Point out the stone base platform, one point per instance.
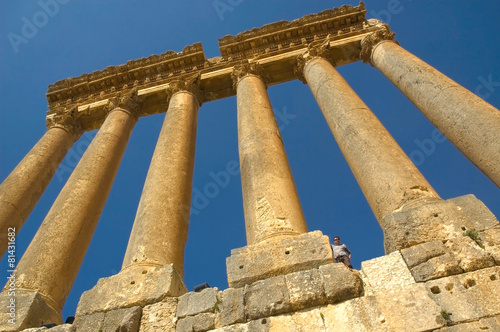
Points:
(277, 256)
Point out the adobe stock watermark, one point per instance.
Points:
(486, 87)
(394, 7)
(426, 147)
(31, 27)
(201, 198)
(223, 6)
(74, 155)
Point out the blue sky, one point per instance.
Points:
(459, 38)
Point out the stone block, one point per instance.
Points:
(478, 214)
(122, 320)
(231, 309)
(310, 320)
(491, 241)
(361, 315)
(386, 273)
(29, 309)
(340, 283)
(204, 322)
(184, 324)
(469, 296)
(35, 329)
(411, 309)
(277, 256)
(266, 298)
(89, 323)
(427, 222)
(159, 316)
(469, 255)
(194, 303)
(63, 328)
(305, 289)
(421, 253)
(134, 286)
(437, 267)
(234, 328)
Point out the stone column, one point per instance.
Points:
(21, 190)
(388, 178)
(51, 263)
(469, 122)
(270, 200)
(160, 228)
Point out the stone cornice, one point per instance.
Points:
(369, 42)
(280, 36)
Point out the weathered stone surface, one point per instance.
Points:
(185, 324)
(267, 298)
(35, 329)
(430, 260)
(437, 267)
(427, 222)
(122, 320)
(491, 239)
(194, 303)
(300, 321)
(486, 324)
(277, 256)
(234, 328)
(386, 273)
(469, 255)
(469, 296)
(231, 308)
(89, 323)
(30, 311)
(421, 253)
(135, 286)
(305, 289)
(340, 282)
(199, 323)
(159, 316)
(410, 309)
(478, 214)
(361, 315)
(63, 328)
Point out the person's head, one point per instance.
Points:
(336, 239)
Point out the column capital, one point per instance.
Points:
(67, 119)
(189, 84)
(247, 68)
(129, 102)
(369, 42)
(317, 49)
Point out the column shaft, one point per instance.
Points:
(270, 200)
(386, 175)
(160, 228)
(469, 122)
(24, 186)
(52, 260)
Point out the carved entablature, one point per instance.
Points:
(283, 36)
(145, 72)
(315, 49)
(68, 119)
(369, 42)
(247, 68)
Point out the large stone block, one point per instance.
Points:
(385, 274)
(469, 254)
(478, 214)
(199, 323)
(266, 298)
(411, 309)
(491, 240)
(277, 256)
(305, 289)
(340, 283)
(490, 324)
(425, 222)
(135, 286)
(469, 296)
(159, 316)
(25, 309)
(123, 320)
(310, 320)
(361, 315)
(194, 303)
(232, 308)
(89, 323)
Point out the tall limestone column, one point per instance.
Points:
(47, 270)
(387, 177)
(160, 228)
(21, 190)
(468, 121)
(270, 200)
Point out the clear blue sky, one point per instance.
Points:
(460, 38)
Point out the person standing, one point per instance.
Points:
(341, 253)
